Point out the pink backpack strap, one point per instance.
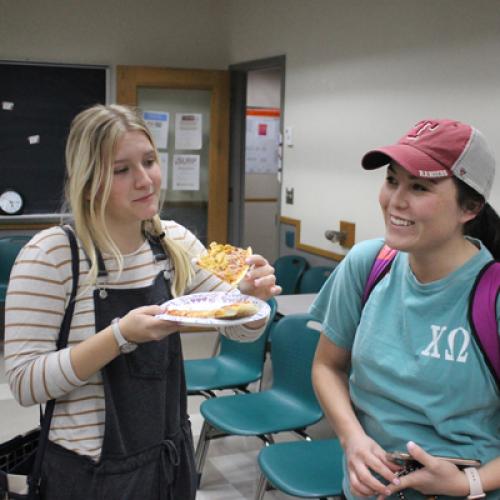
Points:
(483, 318)
(482, 305)
(380, 268)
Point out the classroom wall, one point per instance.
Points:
(359, 73)
(173, 33)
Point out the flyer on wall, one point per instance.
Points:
(262, 141)
(188, 131)
(157, 122)
(186, 173)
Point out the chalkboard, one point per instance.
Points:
(37, 104)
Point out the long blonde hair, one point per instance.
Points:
(90, 149)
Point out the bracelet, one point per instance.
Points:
(476, 488)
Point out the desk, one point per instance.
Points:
(294, 304)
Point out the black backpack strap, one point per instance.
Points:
(156, 247)
(483, 317)
(34, 477)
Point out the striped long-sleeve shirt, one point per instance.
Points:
(38, 293)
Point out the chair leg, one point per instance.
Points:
(266, 376)
(261, 487)
(267, 439)
(202, 447)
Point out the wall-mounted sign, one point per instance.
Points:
(262, 140)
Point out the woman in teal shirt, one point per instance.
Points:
(403, 373)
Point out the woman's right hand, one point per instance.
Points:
(365, 457)
(140, 325)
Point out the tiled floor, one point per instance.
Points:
(231, 470)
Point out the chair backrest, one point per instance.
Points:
(288, 270)
(10, 246)
(313, 278)
(250, 353)
(292, 353)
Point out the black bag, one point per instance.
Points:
(17, 457)
(21, 457)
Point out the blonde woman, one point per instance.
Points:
(120, 428)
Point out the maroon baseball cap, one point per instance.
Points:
(440, 148)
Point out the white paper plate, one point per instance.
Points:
(213, 300)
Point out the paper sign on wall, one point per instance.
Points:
(188, 131)
(157, 122)
(186, 173)
(262, 154)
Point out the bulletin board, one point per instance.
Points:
(37, 105)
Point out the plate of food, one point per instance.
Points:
(215, 309)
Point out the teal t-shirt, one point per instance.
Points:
(417, 372)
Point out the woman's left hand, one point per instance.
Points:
(260, 280)
(436, 477)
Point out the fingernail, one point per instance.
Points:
(387, 493)
(396, 481)
(410, 444)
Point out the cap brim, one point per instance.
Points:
(411, 159)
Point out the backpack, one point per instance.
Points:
(482, 305)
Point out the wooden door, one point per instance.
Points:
(132, 80)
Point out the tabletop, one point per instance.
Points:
(295, 304)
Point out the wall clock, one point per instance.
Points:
(11, 202)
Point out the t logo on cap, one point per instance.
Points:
(421, 127)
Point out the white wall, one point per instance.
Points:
(173, 33)
(359, 73)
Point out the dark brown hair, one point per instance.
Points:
(486, 225)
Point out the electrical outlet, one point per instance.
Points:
(289, 196)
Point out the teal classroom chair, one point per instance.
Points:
(290, 405)
(288, 270)
(304, 469)
(237, 365)
(313, 279)
(10, 246)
